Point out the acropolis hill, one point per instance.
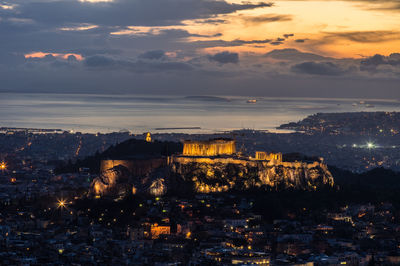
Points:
(209, 166)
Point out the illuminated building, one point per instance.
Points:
(261, 155)
(148, 137)
(157, 230)
(209, 148)
(215, 160)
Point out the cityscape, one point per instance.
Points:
(111, 198)
(199, 132)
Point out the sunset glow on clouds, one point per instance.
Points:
(278, 42)
(43, 55)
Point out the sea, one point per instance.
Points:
(92, 113)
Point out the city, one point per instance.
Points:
(199, 132)
(48, 213)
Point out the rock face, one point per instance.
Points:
(207, 174)
(119, 181)
(115, 181)
(221, 176)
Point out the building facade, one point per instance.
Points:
(209, 148)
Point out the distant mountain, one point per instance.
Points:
(295, 55)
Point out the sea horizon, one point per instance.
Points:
(138, 113)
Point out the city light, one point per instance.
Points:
(61, 204)
(3, 166)
(370, 145)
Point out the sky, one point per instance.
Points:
(202, 47)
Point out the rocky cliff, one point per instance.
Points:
(119, 181)
(219, 175)
(207, 174)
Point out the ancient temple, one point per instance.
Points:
(265, 156)
(215, 147)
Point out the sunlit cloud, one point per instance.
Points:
(58, 55)
(7, 6)
(143, 31)
(82, 27)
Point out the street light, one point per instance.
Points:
(61, 204)
(3, 166)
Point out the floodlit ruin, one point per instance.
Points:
(211, 166)
(214, 147)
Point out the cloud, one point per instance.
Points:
(211, 21)
(99, 61)
(59, 55)
(153, 55)
(72, 48)
(138, 66)
(225, 57)
(128, 12)
(295, 55)
(320, 69)
(266, 18)
(373, 62)
(380, 5)
(223, 43)
(363, 36)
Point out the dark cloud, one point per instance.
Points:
(130, 62)
(320, 69)
(99, 61)
(394, 56)
(363, 36)
(72, 58)
(266, 18)
(206, 36)
(212, 21)
(139, 66)
(225, 57)
(153, 55)
(371, 63)
(222, 43)
(295, 55)
(127, 12)
(96, 51)
(380, 5)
